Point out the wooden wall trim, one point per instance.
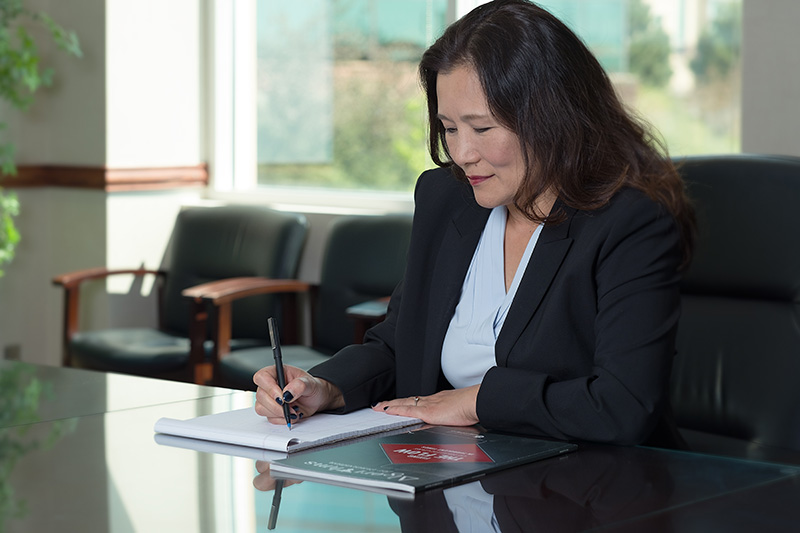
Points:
(108, 179)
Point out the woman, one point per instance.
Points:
(541, 289)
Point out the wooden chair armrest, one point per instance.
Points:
(71, 281)
(221, 294)
(228, 290)
(76, 277)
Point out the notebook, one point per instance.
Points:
(244, 427)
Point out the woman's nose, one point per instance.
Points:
(463, 152)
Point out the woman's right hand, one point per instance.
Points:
(264, 480)
(304, 393)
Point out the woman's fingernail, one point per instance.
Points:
(296, 408)
(287, 396)
(385, 408)
(292, 416)
(374, 404)
(299, 415)
(279, 401)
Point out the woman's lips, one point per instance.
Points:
(476, 180)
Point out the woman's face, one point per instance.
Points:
(487, 152)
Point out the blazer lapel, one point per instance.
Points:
(450, 269)
(551, 248)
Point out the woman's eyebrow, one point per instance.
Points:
(466, 118)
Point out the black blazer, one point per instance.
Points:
(585, 352)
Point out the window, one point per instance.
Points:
(677, 63)
(325, 102)
(339, 103)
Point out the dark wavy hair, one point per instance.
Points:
(543, 84)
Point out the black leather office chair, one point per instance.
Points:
(208, 243)
(734, 386)
(364, 259)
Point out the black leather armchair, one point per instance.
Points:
(208, 243)
(734, 386)
(364, 260)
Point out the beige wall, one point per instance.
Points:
(771, 77)
(153, 85)
(66, 124)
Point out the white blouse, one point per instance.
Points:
(468, 350)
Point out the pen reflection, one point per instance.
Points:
(264, 482)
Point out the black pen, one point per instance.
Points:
(276, 353)
(276, 503)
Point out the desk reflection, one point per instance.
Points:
(585, 489)
(581, 490)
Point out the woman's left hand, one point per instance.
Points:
(455, 407)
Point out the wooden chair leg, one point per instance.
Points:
(290, 329)
(71, 308)
(202, 369)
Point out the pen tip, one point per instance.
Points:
(290, 426)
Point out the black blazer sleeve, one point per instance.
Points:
(586, 349)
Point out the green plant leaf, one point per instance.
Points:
(7, 166)
(66, 40)
(9, 236)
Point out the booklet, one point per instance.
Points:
(245, 427)
(434, 456)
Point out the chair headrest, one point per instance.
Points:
(749, 231)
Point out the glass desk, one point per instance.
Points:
(80, 455)
(58, 392)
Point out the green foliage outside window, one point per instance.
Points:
(363, 124)
(21, 75)
(379, 136)
(649, 46)
(716, 66)
(719, 47)
(379, 132)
